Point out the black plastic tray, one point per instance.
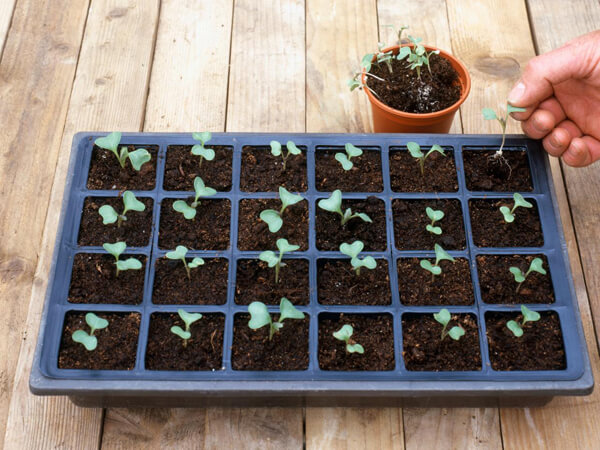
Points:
(312, 386)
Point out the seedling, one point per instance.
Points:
(527, 316)
(259, 316)
(508, 212)
(443, 317)
(291, 150)
(434, 215)
(179, 253)
(188, 320)
(419, 56)
(345, 334)
(520, 277)
(111, 142)
(415, 152)
(334, 204)
(273, 261)
(344, 158)
(189, 211)
(89, 341)
(274, 218)
(440, 255)
(490, 114)
(200, 150)
(130, 203)
(116, 250)
(352, 250)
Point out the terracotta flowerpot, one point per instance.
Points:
(390, 120)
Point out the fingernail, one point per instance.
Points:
(516, 94)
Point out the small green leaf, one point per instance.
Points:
(353, 151)
(139, 157)
(259, 315)
(178, 253)
(414, 149)
(435, 148)
(131, 203)
(364, 217)
(89, 342)
(367, 61)
(434, 214)
(456, 333)
(288, 311)
(425, 264)
(434, 230)
(441, 254)
(368, 262)
(292, 148)
(489, 114)
(285, 247)
(115, 249)
(273, 219)
(287, 198)
(344, 161)
(333, 203)
(352, 250)
(95, 322)
(403, 53)
(515, 328)
(275, 148)
(508, 216)
(196, 262)
(520, 201)
(206, 153)
(109, 142)
(442, 317)
(511, 109)
(519, 277)
(537, 266)
(344, 333)
(201, 189)
(203, 137)
(355, 348)
(353, 83)
(108, 213)
(529, 315)
(129, 264)
(188, 318)
(185, 335)
(269, 257)
(183, 208)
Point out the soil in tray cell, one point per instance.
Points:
(263, 172)
(202, 351)
(331, 234)
(255, 281)
(182, 167)
(135, 231)
(490, 229)
(209, 230)
(439, 174)
(374, 332)
(207, 284)
(338, 283)
(116, 344)
(254, 234)
(252, 349)
(418, 287)
(498, 284)
(410, 220)
(94, 280)
(364, 176)
(106, 172)
(426, 351)
(539, 348)
(483, 172)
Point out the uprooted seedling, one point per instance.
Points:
(200, 150)
(490, 114)
(137, 158)
(344, 334)
(276, 261)
(520, 277)
(440, 255)
(89, 341)
(508, 213)
(259, 316)
(116, 250)
(188, 320)
(443, 317)
(527, 315)
(353, 250)
(276, 150)
(273, 218)
(415, 152)
(334, 204)
(434, 215)
(345, 158)
(189, 211)
(179, 253)
(130, 203)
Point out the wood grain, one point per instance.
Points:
(6, 12)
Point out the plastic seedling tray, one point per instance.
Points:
(312, 386)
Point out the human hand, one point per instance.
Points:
(561, 93)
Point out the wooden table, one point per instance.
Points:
(250, 65)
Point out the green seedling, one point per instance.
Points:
(188, 320)
(291, 150)
(435, 216)
(490, 114)
(419, 56)
(259, 316)
(443, 317)
(130, 203)
(200, 150)
(89, 341)
(334, 204)
(345, 334)
(189, 211)
(274, 218)
(116, 250)
(179, 253)
(344, 158)
(508, 212)
(352, 250)
(440, 255)
(520, 277)
(415, 152)
(111, 142)
(528, 316)
(273, 260)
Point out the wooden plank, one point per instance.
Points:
(109, 92)
(6, 13)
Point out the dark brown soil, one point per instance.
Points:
(252, 350)
(338, 283)
(424, 350)
(490, 230)
(540, 348)
(498, 284)
(254, 234)
(135, 231)
(203, 351)
(403, 90)
(116, 348)
(256, 282)
(207, 284)
(439, 174)
(484, 173)
(106, 172)
(374, 332)
(263, 172)
(331, 234)
(452, 287)
(410, 220)
(209, 230)
(94, 280)
(182, 167)
(365, 176)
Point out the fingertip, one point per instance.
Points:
(557, 142)
(577, 154)
(539, 124)
(517, 94)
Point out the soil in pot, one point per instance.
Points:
(207, 284)
(483, 172)
(117, 343)
(182, 167)
(94, 280)
(439, 173)
(263, 172)
(252, 349)
(106, 172)
(365, 175)
(203, 351)
(540, 348)
(424, 350)
(254, 234)
(374, 332)
(498, 284)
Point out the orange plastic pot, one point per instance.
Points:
(390, 120)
